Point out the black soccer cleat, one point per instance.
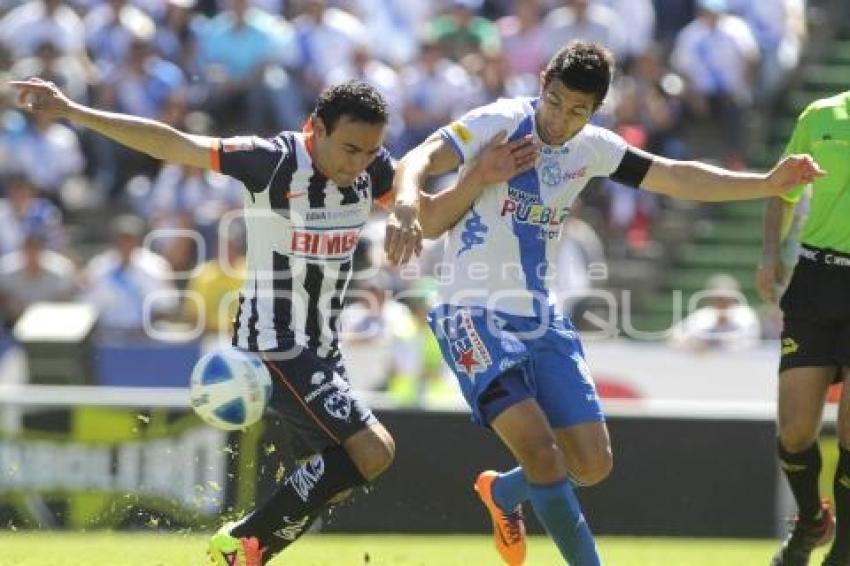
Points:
(804, 538)
(832, 559)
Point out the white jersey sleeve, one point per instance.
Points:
(607, 149)
(471, 132)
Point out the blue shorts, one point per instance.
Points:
(488, 350)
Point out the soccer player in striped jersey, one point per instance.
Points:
(520, 366)
(307, 196)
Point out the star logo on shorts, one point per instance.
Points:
(469, 363)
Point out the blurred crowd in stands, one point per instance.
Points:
(76, 208)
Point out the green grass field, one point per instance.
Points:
(107, 549)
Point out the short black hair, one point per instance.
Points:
(582, 66)
(355, 99)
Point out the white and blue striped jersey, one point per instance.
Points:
(302, 231)
(501, 252)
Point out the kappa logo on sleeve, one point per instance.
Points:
(241, 143)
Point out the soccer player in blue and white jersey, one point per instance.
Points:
(307, 196)
(521, 368)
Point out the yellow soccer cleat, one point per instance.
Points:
(227, 550)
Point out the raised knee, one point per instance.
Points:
(796, 438)
(593, 470)
(543, 461)
(373, 452)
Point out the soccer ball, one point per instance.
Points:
(229, 388)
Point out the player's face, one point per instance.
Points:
(563, 112)
(346, 152)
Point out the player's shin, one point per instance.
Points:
(558, 509)
(802, 470)
(300, 498)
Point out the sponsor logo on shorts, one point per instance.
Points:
(469, 353)
(338, 405)
(291, 529)
(789, 346)
(304, 479)
(318, 380)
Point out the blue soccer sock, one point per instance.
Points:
(510, 489)
(558, 509)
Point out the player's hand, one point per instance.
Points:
(41, 97)
(404, 234)
(792, 171)
(770, 275)
(500, 161)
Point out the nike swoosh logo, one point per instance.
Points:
(295, 195)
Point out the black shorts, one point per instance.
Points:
(816, 309)
(312, 397)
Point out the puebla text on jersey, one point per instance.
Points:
(302, 231)
(512, 229)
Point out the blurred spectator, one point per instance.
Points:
(326, 38)
(779, 27)
(184, 197)
(176, 37)
(727, 323)
(47, 153)
(718, 54)
(142, 84)
(363, 67)
(638, 23)
(670, 17)
(245, 53)
(429, 382)
(581, 259)
(111, 26)
(48, 63)
(22, 212)
(126, 279)
(377, 334)
(392, 26)
(437, 90)
(461, 32)
(588, 20)
(217, 284)
(33, 274)
(661, 102)
(32, 23)
(525, 41)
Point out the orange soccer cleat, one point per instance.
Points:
(508, 528)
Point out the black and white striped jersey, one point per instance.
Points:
(302, 231)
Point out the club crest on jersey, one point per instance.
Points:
(473, 234)
(551, 173)
(469, 353)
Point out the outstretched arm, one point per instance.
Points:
(148, 136)
(692, 180)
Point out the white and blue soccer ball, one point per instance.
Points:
(230, 388)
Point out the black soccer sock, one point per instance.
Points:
(803, 470)
(841, 487)
(300, 498)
